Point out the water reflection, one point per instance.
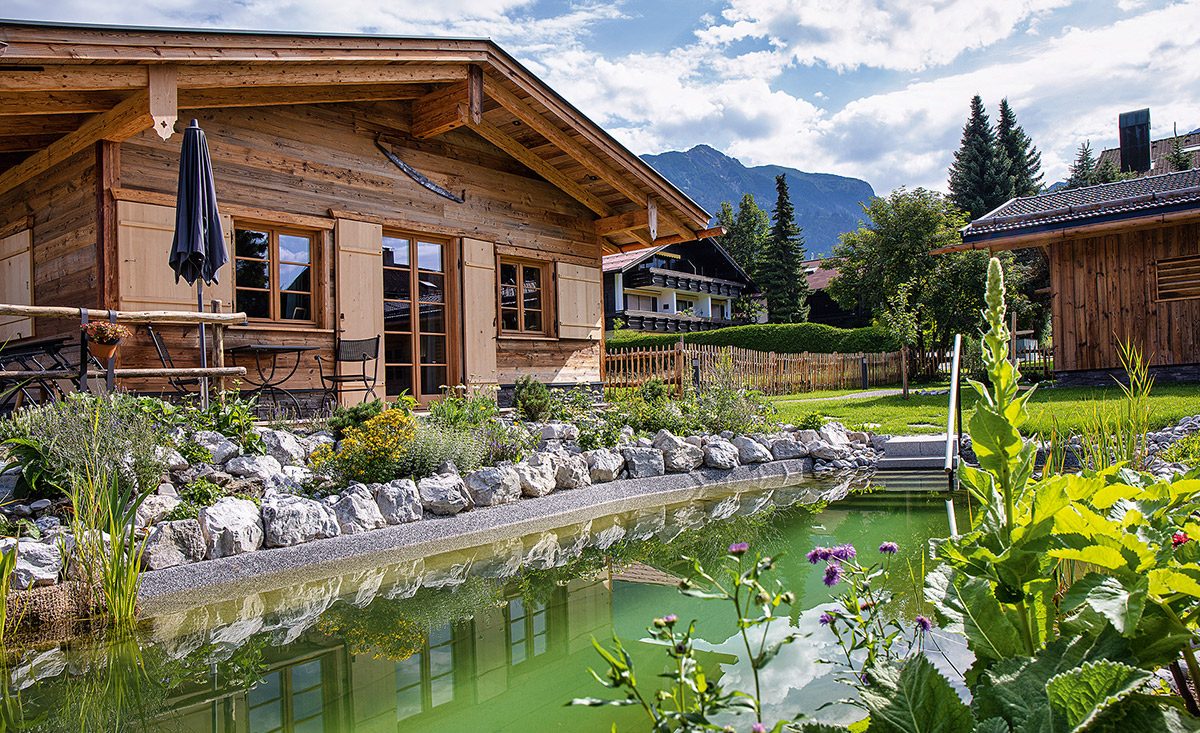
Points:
(489, 639)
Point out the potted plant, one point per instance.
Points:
(104, 338)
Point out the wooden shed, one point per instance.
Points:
(1124, 265)
(488, 269)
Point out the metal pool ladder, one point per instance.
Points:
(953, 434)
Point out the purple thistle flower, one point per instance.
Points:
(758, 728)
(826, 619)
(889, 548)
(670, 618)
(737, 548)
(819, 554)
(843, 551)
(833, 574)
(923, 623)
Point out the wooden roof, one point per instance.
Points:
(64, 87)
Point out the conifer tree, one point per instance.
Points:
(1023, 156)
(1178, 158)
(981, 177)
(745, 231)
(1083, 170)
(780, 272)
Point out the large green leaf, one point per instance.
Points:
(993, 725)
(1159, 639)
(1167, 581)
(1079, 695)
(995, 440)
(1139, 712)
(1122, 604)
(911, 696)
(968, 606)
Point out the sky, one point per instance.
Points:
(865, 88)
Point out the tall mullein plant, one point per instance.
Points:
(1006, 465)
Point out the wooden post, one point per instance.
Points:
(219, 348)
(679, 365)
(1012, 340)
(904, 368)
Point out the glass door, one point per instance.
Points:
(416, 356)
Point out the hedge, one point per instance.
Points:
(782, 338)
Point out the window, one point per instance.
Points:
(1178, 278)
(416, 359)
(273, 273)
(720, 310)
(527, 632)
(425, 680)
(290, 700)
(523, 297)
(685, 306)
(640, 302)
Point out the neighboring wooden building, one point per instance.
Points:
(822, 308)
(1124, 264)
(675, 288)
(325, 233)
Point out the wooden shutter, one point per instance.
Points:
(580, 302)
(1178, 278)
(479, 311)
(360, 294)
(16, 283)
(145, 280)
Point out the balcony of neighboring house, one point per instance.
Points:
(655, 322)
(668, 279)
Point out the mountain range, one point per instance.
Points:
(826, 204)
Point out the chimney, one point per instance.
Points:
(1135, 140)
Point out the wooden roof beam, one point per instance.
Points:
(272, 96)
(525, 156)
(438, 111)
(646, 218)
(121, 122)
(702, 234)
(57, 103)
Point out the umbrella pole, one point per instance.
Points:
(203, 346)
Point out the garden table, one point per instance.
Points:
(266, 366)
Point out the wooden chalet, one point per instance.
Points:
(486, 270)
(1124, 265)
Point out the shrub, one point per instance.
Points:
(430, 445)
(568, 404)
(531, 399)
(109, 434)
(782, 338)
(505, 442)
(231, 416)
(811, 420)
(458, 410)
(657, 390)
(344, 418)
(371, 452)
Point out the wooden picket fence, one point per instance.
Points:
(768, 372)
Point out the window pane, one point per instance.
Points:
(397, 349)
(533, 298)
(254, 303)
(533, 321)
(312, 725)
(433, 378)
(295, 306)
(250, 243)
(399, 379)
(442, 690)
(433, 318)
(251, 274)
(396, 285)
(294, 277)
(308, 703)
(429, 256)
(510, 320)
(395, 252)
(397, 315)
(408, 703)
(431, 287)
(508, 296)
(433, 349)
(508, 274)
(533, 278)
(539, 644)
(293, 248)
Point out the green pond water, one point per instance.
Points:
(491, 639)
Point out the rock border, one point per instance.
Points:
(181, 587)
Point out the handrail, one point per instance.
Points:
(952, 438)
(51, 311)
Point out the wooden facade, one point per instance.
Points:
(1106, 291)
(326, 235)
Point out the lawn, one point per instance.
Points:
(1070, 406)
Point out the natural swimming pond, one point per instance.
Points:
(495, 638)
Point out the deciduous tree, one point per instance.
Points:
(746, 231)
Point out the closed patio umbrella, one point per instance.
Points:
(198, 251)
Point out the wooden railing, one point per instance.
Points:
(767, 372)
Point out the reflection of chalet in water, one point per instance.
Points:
(690, 286)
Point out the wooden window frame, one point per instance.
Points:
(549, 319)
(451, 252)
(316, 245)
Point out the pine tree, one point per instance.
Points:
(780, 273)
(1025, 159)
(1083, 170)
(981, 178)
(745, 231)
(1179, 159)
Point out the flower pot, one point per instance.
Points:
(103, 352)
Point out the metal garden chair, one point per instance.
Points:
(351, 351)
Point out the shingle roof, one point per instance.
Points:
(820, 277)
(1108, 202)
(1159, 163)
